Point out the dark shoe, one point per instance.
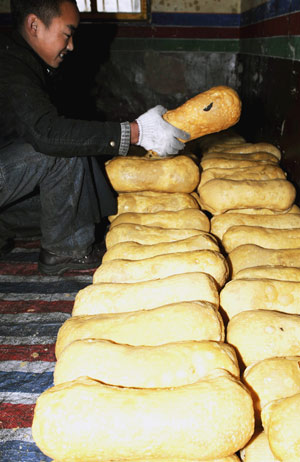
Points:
(7, 247)
(51, 264)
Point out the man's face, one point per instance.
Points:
(56, 40)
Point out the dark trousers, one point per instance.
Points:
(62, 209)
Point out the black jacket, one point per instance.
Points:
(28, 114)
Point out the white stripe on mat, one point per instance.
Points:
(24, 250)
(32, 340)
(33, 367)
(22, 434)
(18, 397)
(34, 296)
(45, 279)
(19, 318)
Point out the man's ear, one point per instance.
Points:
(31, 24)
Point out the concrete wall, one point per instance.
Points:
(197, 6)
(246, 5)
(4, 6)
(188, 46)
(269, 61)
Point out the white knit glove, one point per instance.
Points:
(158, 135)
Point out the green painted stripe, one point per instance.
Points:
(277, 47)
(173, 44)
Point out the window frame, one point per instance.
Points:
(94, 14)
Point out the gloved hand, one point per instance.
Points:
(158, 135)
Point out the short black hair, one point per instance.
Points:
(46, 10)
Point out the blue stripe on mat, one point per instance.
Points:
(40, 287)
(24, 382)
(20, 451)
(38, 329)
(28, 257)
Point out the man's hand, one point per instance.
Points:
(158, 135)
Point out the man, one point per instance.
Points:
(39, 148)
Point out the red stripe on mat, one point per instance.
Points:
(31, 269)
(16, 415)
(20, 269)
(27, 244)
(28, 353)
(35, 306)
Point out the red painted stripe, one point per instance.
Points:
(294, 23)
(280, 26)
(27, 353)
(197, 33)
(35, 306)
(16, 415)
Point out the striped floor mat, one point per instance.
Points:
(32, 308)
